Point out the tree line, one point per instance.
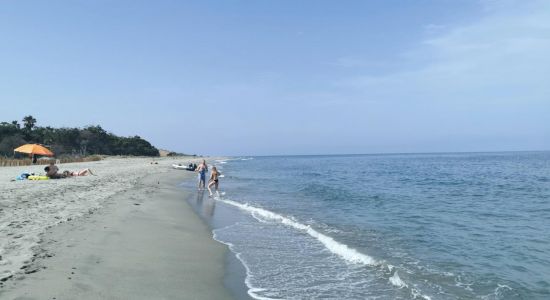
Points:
(89, 140)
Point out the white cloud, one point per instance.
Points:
(501, 56)
(355, 62)
(434, 28)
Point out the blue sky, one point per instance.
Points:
(285, 77)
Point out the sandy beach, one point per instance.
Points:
(127, 233)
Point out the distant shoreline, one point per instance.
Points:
(395, 153)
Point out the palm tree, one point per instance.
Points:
(29, 122)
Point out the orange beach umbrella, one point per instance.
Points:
(34, 149)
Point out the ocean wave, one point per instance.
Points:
(385, 208)
(252, 291)
(499, 292)
(396, 280)
(344, 251)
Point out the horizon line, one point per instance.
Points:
(383, 153)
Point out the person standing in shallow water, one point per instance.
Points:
(202, 169)
(214, 181)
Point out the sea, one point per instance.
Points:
(392, 226)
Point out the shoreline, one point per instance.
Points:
(144, 242)
(216, 216)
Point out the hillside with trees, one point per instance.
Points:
(90, 140)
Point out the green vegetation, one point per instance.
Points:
(89, 140)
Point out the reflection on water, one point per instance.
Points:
(219, 217)
(204, 205)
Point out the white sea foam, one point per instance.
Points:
(416, 294)
(498, 292)
(348, 254)
(222, 161)
(396, 280)
(252, 291)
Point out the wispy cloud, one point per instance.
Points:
(434, 28)
(501, 56)
(355, 62)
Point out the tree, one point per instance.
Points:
(9, 143)
(16, 124)
(8, 129)
(83, 141)
(29, 122)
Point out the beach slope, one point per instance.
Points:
(144, 243)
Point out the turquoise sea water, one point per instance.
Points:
(414, 226)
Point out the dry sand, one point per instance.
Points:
(127, 233)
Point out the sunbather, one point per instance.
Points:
(82, 172)
(51, 171)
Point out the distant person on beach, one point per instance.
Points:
(51, 171)
(214, 180)
(83, 172)
(202, 169)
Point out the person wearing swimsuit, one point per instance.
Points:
(83, 172)
(202, 169)
(214, 180)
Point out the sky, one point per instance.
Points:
(282, 77)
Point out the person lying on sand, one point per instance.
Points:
(83, 172)
(51, 171)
